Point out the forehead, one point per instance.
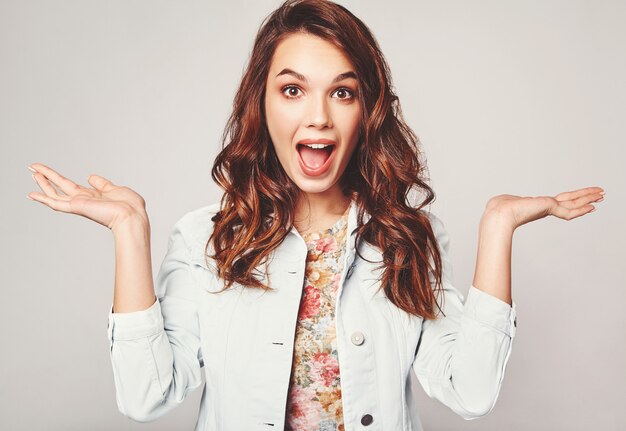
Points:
(310, 55)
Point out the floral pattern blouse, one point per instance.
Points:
(314, 398)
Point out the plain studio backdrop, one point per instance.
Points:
(524, 98)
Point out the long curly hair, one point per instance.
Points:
(258, 205)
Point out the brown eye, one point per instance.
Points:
(291, 92)
(344, 93)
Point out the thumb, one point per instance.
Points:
(98, 182)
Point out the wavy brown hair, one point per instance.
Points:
(385, 167)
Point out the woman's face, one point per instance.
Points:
(312, 111)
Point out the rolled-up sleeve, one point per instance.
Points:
(155, 353)
(461, 358)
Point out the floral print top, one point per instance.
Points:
(314, 398)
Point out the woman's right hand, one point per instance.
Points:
(105, 203)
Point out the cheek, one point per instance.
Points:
(280, 126)
(281, 117)
(351, 132)
(350, 125)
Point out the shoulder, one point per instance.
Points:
(439, 229)
(196, 225)
(435, 221)
(199, 215)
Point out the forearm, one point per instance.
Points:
(493, 261)
(134, 286)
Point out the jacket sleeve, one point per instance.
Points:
(155, 353)
(461, 358)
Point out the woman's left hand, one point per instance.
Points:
(518, 210)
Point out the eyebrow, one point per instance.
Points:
(302, 78)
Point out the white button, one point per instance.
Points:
(357, 338)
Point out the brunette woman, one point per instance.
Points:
(318, 291)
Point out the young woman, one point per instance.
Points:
(314, 294)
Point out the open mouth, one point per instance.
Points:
(315, 158)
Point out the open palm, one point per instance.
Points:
(105, 203)
(567, 205)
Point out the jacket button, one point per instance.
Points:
(357, 338)
(367, 420)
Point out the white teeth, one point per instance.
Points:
(317, 146)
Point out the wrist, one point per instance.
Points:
(131, 223)
(494, 219)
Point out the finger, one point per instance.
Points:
(55, 204)
(569, 214)
(45, 186)
(98, 182)
(65, 185)
(565, 196)
(581, 201)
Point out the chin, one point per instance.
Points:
(314, 185)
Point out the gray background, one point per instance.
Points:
(523, 98)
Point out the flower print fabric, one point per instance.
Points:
(314, 398)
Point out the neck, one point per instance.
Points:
(316, 211)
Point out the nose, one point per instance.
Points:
(319, 115)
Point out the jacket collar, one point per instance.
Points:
(351, 228)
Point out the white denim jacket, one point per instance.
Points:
(244, 339)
